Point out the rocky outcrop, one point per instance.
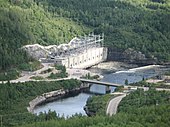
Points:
(136, 57)
(38, 51)
(130, 56)
(114, 66)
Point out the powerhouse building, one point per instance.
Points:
(81, 52)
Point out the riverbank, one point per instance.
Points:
(96, 105)
(131, 112)
(15, 98)
(135, 75)
(114, 66)
(55, 95)
(21, 93)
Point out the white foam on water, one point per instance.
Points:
(138, 69)
(128, 71)
(144, 67)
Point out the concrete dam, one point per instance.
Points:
(82, 52)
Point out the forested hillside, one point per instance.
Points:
(26, 22)
(139, 24)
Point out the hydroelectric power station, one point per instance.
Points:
(80, 52)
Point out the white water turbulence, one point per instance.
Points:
(128, 71)
(132, 75)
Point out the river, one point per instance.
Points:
(72, 105)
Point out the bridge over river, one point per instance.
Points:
(61, 79)
(107, 84)
(100, 82)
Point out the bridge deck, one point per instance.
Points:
(100, 82)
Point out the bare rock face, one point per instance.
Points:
(132, 54)
(38, 51)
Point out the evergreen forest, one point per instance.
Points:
(138, 109)
(139, 24)
(142, 25)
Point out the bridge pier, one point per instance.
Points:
(85, 84)
(108, 89)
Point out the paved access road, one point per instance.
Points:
(113, 105)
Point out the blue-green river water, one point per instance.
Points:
(72, 105)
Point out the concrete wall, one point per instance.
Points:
(86, 59)
(53, 95)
